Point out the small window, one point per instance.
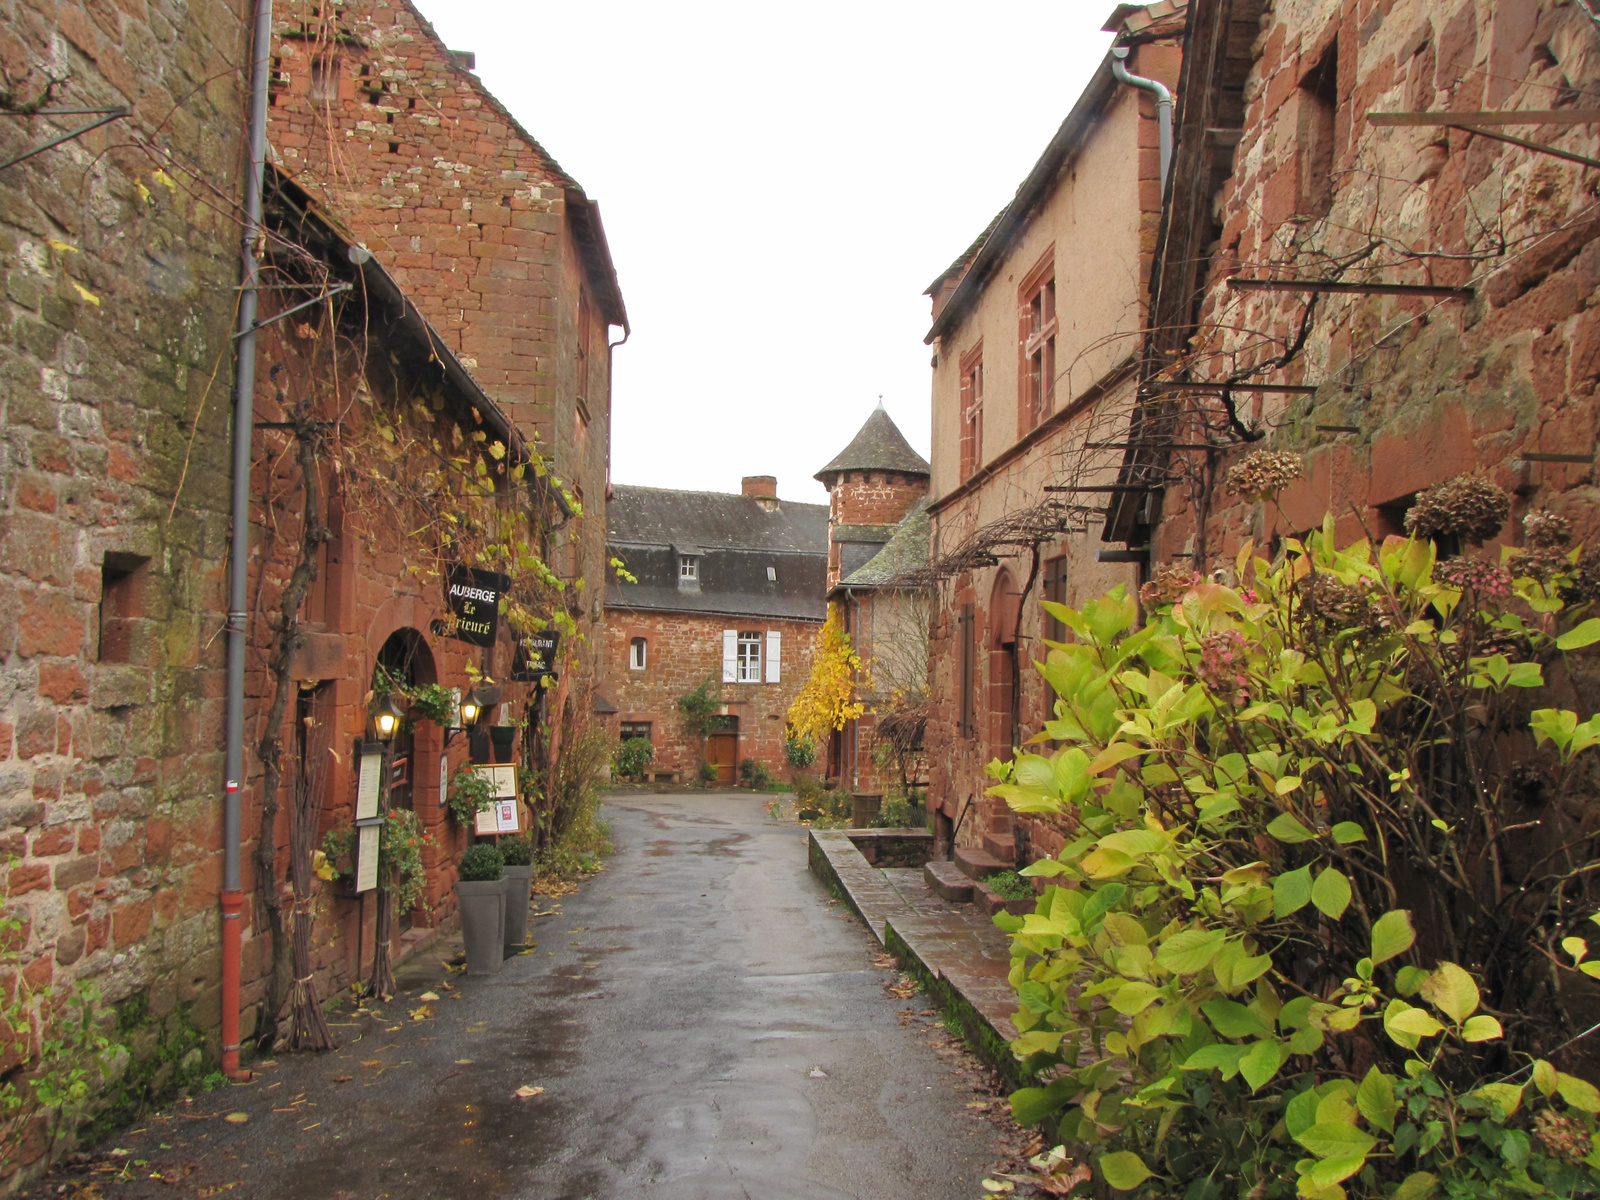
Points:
(1055, 590)
(325, 77)
(122, 580)
(688, 566)
(636, 729)
(638, 649)
(772, 574)
(1318, 134)
(1037, 336)
(749, 669)
(971, 411)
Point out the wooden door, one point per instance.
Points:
(722, 752)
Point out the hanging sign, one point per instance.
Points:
(474, 598)
(367, 856)
(536, 656)
(503, 815)
(369, 784)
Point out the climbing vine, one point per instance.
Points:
(828, 698)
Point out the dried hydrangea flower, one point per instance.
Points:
(1225, 665)
(1337, 605)
(1262, 474)
(1546, 530)
(1563, 1137)
(1468, 506)
(1485, 580)
(1168, 586)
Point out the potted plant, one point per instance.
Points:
(518, 854)
(470, 794)
(481, 898)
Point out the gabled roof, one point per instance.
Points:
(700, 521)
(879, 446)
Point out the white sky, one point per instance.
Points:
(779, 183)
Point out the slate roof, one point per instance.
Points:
(737, 541)
(879, 446)
(904, 551)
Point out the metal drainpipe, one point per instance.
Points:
(1119, 55)
(239, 557)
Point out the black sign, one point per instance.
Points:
(536, 656)
(474, 598)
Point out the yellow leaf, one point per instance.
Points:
(1579, 1093)
(86, 293)
(236, 1118)
(1545, 1077)
(525, 1092)
(62, 247)
(164, 180)
(144, 192)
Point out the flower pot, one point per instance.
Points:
(483, 922)
(864, 809)
(502, 738)
(519, 888)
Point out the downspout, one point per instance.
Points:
(1119, 55)
(239, 555)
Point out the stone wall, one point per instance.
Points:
(120, 260)
(1429, 387)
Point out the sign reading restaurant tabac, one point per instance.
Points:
(536, 656)
(474, 598)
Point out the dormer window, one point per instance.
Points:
(772, 574)
(688, 567)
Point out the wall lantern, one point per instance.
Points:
(386, 718)
(471, 710)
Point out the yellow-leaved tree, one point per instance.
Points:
(828, 698)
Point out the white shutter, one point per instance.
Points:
(730, 656)
(774, 655)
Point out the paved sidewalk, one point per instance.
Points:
(959, 953)
(705, 1024)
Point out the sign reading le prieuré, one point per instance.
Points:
(474, 598)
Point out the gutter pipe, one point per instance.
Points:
(239, 557)
(1119, 55)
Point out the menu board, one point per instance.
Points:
(369, 785)
(367, 857)
(504, 815)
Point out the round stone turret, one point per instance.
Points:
(877, 478)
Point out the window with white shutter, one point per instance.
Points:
(774, 655)
(730, 656)
(750, 657)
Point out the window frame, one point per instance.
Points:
(688, 568)
(1037, 326)
(638, 653)
(635, 726)
(971, 411)
(749, 656)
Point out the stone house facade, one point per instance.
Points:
(1037, 335)
(877, 534)
(1461, 336)
(119, 254)
(725, 591)
(500, 249)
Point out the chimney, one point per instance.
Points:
(763, 489)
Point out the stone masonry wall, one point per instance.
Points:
(685, 649)
(1433, 387)
(120, 261)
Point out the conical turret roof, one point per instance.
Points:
(880, 446)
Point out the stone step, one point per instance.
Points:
(947, 882)
(1002, 846)
(977, 864)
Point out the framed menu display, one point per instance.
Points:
(505, 814)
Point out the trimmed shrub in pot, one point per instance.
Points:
(481, 897)
(518, 854)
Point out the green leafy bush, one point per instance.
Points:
(482, 863)
(707, 774)
(516, 850)
(799, 752)
(633, 756)
(1274, 788)
(1010, 886)
(470, 794)
(902, 810)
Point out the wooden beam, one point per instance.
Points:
(1560, 116)
(1536, 456)
(1291, 389)
(1110, 487)
(1537, 147)
(1355, 289)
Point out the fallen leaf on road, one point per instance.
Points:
(527, 1093)
(374, 1062)
(977, 1104)
(463, 1062)
(818, 1073)
(236, 1118)
(476, 1028)
(428, 996)
(423, 1013)
(998, 1186)
(392, 1029)
(342, 1078)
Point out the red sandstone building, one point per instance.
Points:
(726, 592)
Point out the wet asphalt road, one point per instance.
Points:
(705, 1024)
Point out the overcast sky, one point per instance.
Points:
(779, 183)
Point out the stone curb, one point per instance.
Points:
(938, 955)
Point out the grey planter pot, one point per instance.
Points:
(483, 923)
(519, 888)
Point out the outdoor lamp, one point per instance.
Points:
(472, 706)
(386, 717)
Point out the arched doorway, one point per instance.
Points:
(404, 661)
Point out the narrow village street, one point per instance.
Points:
(704, 1022)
